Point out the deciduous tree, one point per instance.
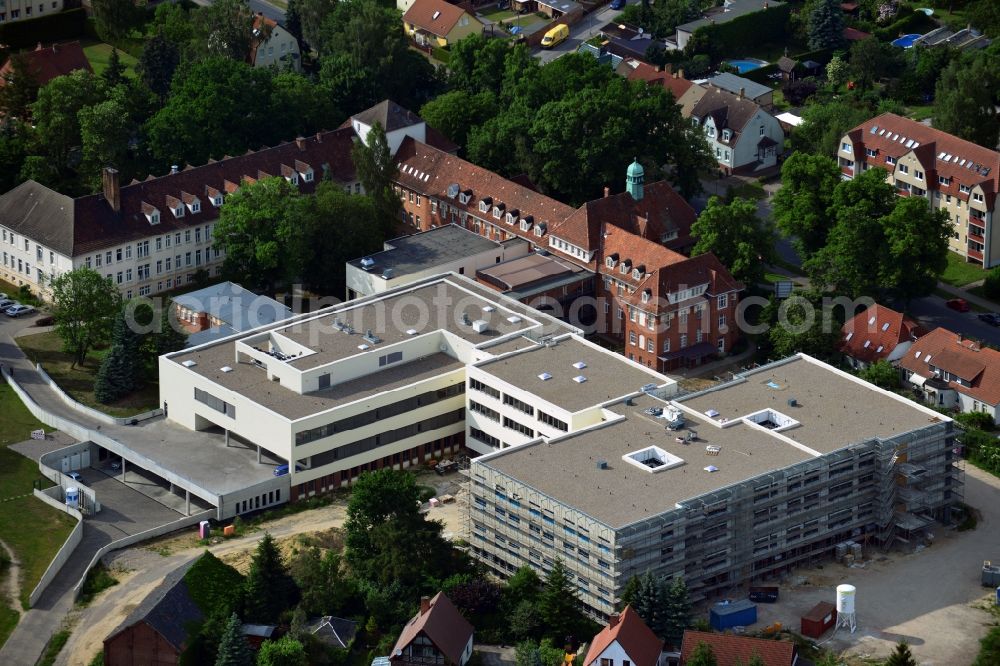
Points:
(56, 112)
(881, 373)
(801, 208)
(114, 19)
(105, 131)
(824, 124)
(84, 307)
(158, 62)
(455, 113)
(286, 651)
(702, 656)
(740, 239)
(20, 88)
(966, 98)
(376, 170)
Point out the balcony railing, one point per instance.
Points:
(975, 254)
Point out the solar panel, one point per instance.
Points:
(873, 129)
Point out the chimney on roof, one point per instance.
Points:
(39, 47)
(743, 93)
(959, 338)
(607, 191)
(112, 189)
(425, 604)
(300, 142)
(174, 169)
(319, 137)
(680, 73)
(613, 620)
(658, 68)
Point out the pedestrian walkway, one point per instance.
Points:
(960, 292)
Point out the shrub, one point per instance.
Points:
(991, 285)
(976, 420)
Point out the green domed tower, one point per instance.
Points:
(634, 179)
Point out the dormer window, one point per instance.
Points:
(539, 230)
(152, 214)
(510, 218)
(483, 207)
(623, 268)
(636, 274)
(497, 212)
(610, 261)
(290, 174)
(304, 170)
(217, 200)
(726, 135)
(176, 206)
(694, 121)
(525, 225)
(464, 197)
(646, 295)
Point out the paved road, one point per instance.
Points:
(578, 34)
(125, 512)
(265, 8)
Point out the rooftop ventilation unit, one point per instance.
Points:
(646, 388)
(514, 319)
(367, 263)
(488, 308)
(189, 363)
(363, 347)
(226, 368)
(711, 468)
(465, 319)
(652, 459)
(579, 365)
(602, 464)
(579, 379)
(411, 331)
(480, 326)
(792, 402)
(712, 450)
(545, 376)
(387, 274)
(371, 337)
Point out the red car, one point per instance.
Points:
(958, 304)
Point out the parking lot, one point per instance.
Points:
(931, 599)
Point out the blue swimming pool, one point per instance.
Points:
(906, 41)
(746, 65)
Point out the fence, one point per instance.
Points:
(72, 541)
(89, 411)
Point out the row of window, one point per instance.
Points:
(494, 415)
(374, 415)
(387, 437)
(218, 404)
(16, 13)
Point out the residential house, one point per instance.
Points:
(954, 372)
(20, 10)
(272, 44)
(47, 62)
(626, 641)
(223, 309)
(437, 634)
(686, 93)
(397, 123)
(628, 41)
(557, 8)
(787, 67)
(751, 90)
(877, 334)
(155, 633)
(951, 174)
(735, 650)
(742, 135)
(723, 13)
(439, 23)
(154, 235)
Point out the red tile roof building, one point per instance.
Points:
(731, 650)
(626, 633)
(46, 63)
(952, 174)
(437, 634)
(954, 372)
(669, 311)
(879, 333)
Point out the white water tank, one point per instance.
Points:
(845, 599)
(73, 497)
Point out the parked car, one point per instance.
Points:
(991, 318)
(6, 302)
(73, 475)
(617, 4)
(556, 35)
(958, 304)
(282, 470)
(17, 310)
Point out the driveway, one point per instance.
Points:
(928, 598)
(579, 33)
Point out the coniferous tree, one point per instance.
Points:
(269, 586)
(901, 656)
(115, 72)
(647, 602)
(677, 613)
(233, 648)
(119, 372)
(702, 656)
(630, 593)
(826, 25)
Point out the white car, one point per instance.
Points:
(6, 302)
(17, 310)
(73, 475)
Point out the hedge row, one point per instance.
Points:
(69, 24)
(914, 22)
(741, 34)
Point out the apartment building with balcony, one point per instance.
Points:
(952, 174)
(738, 483)
(22, 10)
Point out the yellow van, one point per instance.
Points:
(556, 35)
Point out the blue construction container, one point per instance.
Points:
(725, 615)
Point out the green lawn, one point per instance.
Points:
(981, 293)
(960, 272)
(497, 15)
(99, 53)
(33, 529)
(78, 382)
(750, 190)
(920, 112)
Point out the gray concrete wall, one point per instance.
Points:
(50, 465)
(75, 536)
(93, 413)
(186, 521)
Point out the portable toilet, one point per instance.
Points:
(203, 529)
(73, 498)
(727, 614)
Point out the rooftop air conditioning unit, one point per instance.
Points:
(367, 263)
(480, 326)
